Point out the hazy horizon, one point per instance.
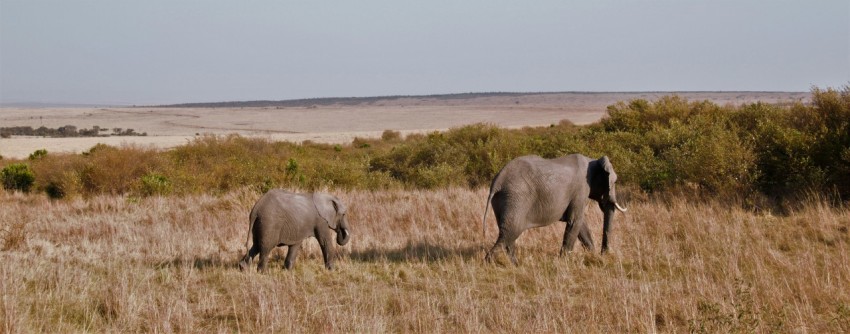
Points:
(31, 104)
(160, 52)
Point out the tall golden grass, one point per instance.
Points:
(114, 263)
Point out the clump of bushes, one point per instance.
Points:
(671, 143)
(465, 156)
(666, 144)
(776, 150)
(101, 170)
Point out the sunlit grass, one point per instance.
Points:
(415, 263)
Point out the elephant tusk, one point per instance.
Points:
(620, 207)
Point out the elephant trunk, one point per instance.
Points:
(612, 197)
(342, 235)
(608, 212)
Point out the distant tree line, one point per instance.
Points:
(348, 101)
(67, 131)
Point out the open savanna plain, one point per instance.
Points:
(738, 221)
(415, 263)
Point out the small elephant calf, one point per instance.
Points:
(282, 218)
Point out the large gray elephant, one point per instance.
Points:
(531, 191)
(282, 218)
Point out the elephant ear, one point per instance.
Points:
(606, 165)
(327, 207)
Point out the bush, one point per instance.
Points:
(668, 144)
(390, 135)
(154, 184)
(117, 170)
(59, 176)
(464, 156)
(38, 154)
(66, 185)
(17, 177)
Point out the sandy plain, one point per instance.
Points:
(168, 127)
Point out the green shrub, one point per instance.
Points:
(155, 184)
(17, 177)
(38, 154)
(467, 156)
(830, 153)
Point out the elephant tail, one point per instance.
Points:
(251, 221)
(493, 190)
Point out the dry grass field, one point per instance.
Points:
(415, 264)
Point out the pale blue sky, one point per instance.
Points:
(152, 52)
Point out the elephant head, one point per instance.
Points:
(602, 180)
(334, 213)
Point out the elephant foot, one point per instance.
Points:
(493, 257)
(499, 259)
(565, 251)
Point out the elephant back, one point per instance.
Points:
(290, 216)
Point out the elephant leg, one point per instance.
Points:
(325, 244)
(585, 237)
(246, 261)
(499, 244)
(326, 254)
(510, 247)
(291, 255)
(264, 260)
(571, 233)
(506, 242)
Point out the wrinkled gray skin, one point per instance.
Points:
(531, 191)
(282, 218)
